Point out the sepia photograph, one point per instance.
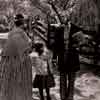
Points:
(49, 50)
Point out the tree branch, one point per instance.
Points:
(39, 6)
(70, 5)
(66, 2)
(55, 10)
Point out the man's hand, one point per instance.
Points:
(56, 25)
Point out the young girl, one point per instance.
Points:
(42, 78)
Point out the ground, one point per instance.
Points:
(87, 87)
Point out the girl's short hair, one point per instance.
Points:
(38, 46)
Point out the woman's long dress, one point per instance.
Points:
(15, 68)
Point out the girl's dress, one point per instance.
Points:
(42, 78)
(15, 68)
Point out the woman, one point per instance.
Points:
(15, 67)
(42, 79)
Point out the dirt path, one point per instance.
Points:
(87, 87)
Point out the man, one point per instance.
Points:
(68, 62)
